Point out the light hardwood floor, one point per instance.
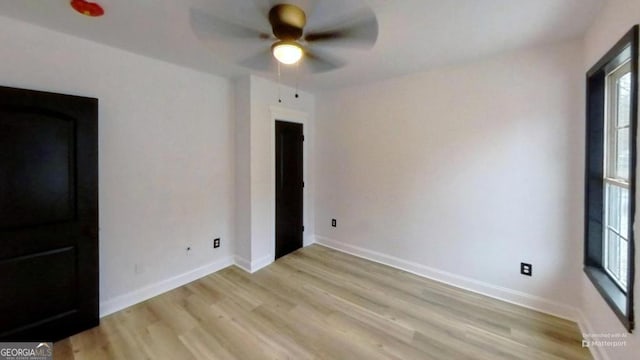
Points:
(320, 303)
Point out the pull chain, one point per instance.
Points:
(279, 97)
(297, 77)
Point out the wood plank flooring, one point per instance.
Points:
(318, 303)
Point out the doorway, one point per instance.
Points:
(289, 187)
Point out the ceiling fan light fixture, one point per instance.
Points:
(287, 52)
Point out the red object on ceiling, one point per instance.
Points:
(87, 8)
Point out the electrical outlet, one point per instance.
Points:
(334, 223)
(526, 269)
(216, 243)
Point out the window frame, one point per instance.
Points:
(596, 171)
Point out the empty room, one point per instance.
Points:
(318, 179)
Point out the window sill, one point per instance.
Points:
(611, 293)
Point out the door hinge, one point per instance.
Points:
(303, 228)
(302, 137)
(303, 184)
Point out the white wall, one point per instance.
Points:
(256, 223)
(166, 151)
(242, 101)
(615, 19)
(461, 173)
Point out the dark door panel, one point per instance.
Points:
(48, 215)
(289, 187)
(30, 277)
(38, 169)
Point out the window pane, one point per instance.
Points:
(616, 264)
(624, 213)
(613, 254)
(624, 262)
(622, 153)
(613, 207)
(624, 91)
(618, 209)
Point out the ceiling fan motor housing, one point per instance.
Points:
(287, 21)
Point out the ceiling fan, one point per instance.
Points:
(288, 41)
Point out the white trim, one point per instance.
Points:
(243, 263)
(610, 163)
(253, 266)
(309, 240)
(260, 263)
(598, 353)
(480, 287)
(285, 114)
(123, 301)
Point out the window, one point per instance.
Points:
(610, 176)
(616, 174)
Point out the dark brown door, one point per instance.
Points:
(288, 187)
(48, 215)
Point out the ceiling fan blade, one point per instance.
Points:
(357, 30)
(262, 61)
(316, 61)
(206, 25)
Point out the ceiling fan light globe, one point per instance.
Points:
(287, 52)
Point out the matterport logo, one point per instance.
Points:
(26, 351)
(610, 340)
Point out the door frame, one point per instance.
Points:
(299, 117)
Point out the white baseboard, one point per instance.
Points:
(242, 263)
(309, 240)
(123, 301)
(262, 262)
(253, 266)
(598, 353)
(494, 291)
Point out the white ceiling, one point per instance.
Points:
(414, 35)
